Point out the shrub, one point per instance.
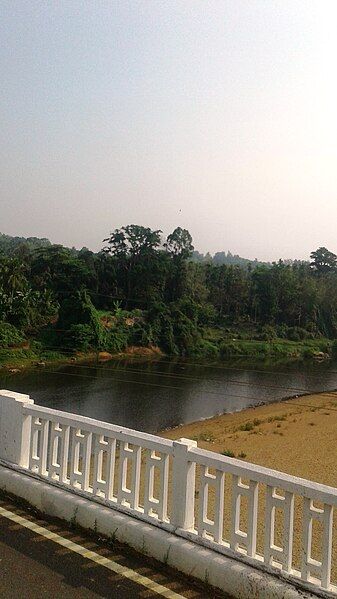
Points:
(228, 350)
(228, 453)
(116, 339)
(298, 334)
(248, 426)
(81, 337)
(309, 352)
(204, 349)
(10, 336)
(268, 333)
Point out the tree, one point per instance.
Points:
(140, 265)
(132, 241)
(323, 261)
(59, 269)
(179, 243)
(179, 249)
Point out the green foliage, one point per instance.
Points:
(81, 337)
(228, 453)
(179, 244)
(143, 290)
(17, 356)
(247, 426)
(9, 335)
(205, 349)
(323, 261)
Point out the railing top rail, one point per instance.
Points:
(274, 478)
(101, 428)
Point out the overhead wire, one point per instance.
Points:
(251, 398)
(193, 378)
(185, 362)
(174, 387)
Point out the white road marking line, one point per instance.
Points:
(92, 555)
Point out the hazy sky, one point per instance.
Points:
(218, 116)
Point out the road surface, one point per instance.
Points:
(41, 558)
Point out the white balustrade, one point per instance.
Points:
(158, 480)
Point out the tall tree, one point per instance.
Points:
(323, 261)
(179, 243)
(140, 264)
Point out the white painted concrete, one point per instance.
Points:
(66, 451)
(14, 427)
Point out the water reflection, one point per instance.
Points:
(153, 396)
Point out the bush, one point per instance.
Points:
(81, 337)
(205, 349)
(268, 333)
(228, 350)
(207, 314)
(116, 339)
(282, 331)
(228, 453)
(248, 426)
(10, 336)
(298, 334)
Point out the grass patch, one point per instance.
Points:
(228, 453)
(206, 436)
(247, 426)
(280, 418)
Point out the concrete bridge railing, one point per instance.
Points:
(230, 506)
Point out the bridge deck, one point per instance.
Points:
(43, 558)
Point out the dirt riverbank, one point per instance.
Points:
(296, 436)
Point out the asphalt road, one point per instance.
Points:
(41, 558)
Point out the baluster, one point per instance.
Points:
(33, 452)
(219, 506)
(64, 456)
(149, 499)
(286, 503)
(54, 466)
(235, 514)
(80, 478)
(131, 496)
(41, 449)
(100, 485)
(136, 463)
(238, 536)
(327, 545)
(311, 566)
(288, 531)
(86, 461)
(252, 518)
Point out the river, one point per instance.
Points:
(151, 396)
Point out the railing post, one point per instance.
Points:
(15, 428)
(183, 485)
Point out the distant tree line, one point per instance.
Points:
(143, 289)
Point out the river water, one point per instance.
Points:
(152, 396)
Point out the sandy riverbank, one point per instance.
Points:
(296, 436)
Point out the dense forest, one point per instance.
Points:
(142, 290)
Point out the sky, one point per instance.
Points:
(219, 116)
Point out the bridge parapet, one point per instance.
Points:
(265, 518)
